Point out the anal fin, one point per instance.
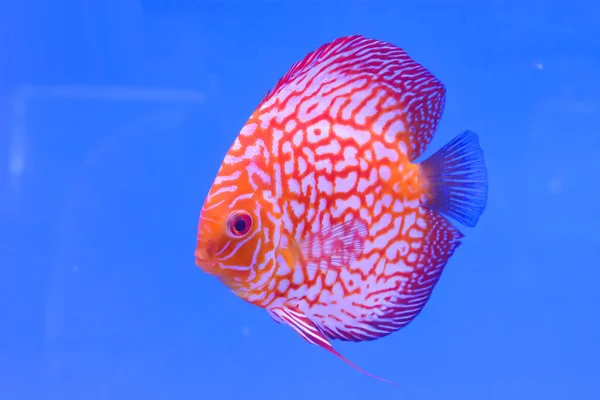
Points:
(312, 334)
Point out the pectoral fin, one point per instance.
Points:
(335, 247)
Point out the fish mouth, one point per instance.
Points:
(204, 261)
(202, 255)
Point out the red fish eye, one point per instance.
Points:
(240, 223)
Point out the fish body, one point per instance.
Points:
(321, 214)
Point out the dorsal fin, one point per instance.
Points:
(303, 65)
(420, 94)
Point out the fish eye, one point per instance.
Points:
(240, 223)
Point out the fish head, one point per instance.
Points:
(230, 242)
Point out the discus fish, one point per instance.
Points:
(321, 214)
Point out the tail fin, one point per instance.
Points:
(457, 179)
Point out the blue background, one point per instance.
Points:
(115, 116)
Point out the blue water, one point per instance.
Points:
(114, 118)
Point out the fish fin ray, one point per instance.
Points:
(335, 246)
(457, 179)
(275, 316)
(419, 96)
(310, 332)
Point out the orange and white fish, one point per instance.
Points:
(320, 213)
